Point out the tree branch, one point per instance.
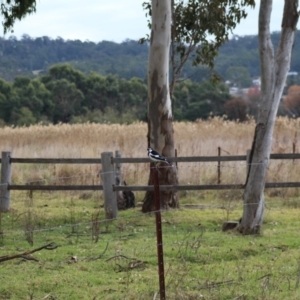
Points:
(50, 246)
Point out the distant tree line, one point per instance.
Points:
(127, 59)
(67, 95)
(27, 55)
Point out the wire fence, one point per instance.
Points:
(127, 245)
(197, 255)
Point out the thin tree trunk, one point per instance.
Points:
(273, 76)
(160, 126)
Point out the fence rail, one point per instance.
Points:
(56, 160)
(121, 160)
(202, 187)
(108, 161)
(29, 187)
(206, 158)
(145, 188)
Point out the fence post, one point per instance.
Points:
(5, 181)
(108, 181)
(121, 202)
(219, 166)
(118, 172)
(294, 149)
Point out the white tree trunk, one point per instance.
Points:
(160, 126)
(158, 72)
(274, 70)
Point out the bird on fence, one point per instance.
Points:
(156, 157)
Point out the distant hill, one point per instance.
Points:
(33, 56)
(243, 52)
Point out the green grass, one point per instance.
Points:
(201, 262)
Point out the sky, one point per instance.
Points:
(110, 20)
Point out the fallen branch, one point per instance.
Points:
(132, 265)
(99, 256)
(120, 256)
(212, 285)
(135, 263)
(26, 254)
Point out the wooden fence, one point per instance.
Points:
(109, 187)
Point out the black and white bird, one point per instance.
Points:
(156, 157)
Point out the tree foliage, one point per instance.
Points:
(236, 109)
(65, 94)
(193, 101)
(68, 95)
(292, 100)
(204, 26)
(239, 77)
(200, 28)
(16, 9)
(34, 56)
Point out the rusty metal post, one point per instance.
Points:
(159, 239)
(219, 166)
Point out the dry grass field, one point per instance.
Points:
(201, 138)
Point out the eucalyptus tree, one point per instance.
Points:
(160, 129)
(239, 77)
(198, 29)
(28, 94)
(8, 100)
(181, 28)
(274, 69)
(66, 99)
(66, 71)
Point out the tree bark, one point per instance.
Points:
(274, 69)
(160, 119)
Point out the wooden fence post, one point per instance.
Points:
(108, 181)
(121, 203)
(219, 166)
(5, 181)
(294, 149)
(118, 170)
